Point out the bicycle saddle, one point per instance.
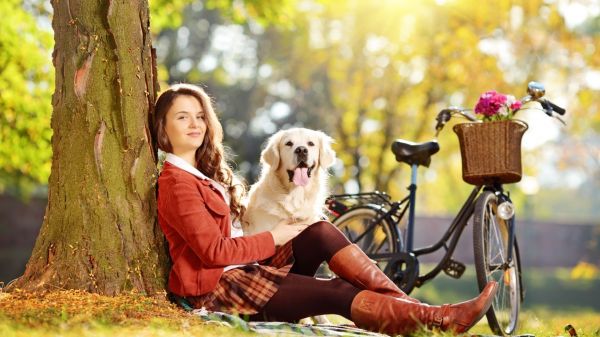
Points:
(414, 153)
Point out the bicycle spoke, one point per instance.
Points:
(494, 267)
(349, 235)
(496, 256)
(496, 251)
(378, 248)
(371, 237)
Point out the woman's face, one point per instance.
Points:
(185, 125)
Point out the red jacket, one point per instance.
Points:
(195, 220)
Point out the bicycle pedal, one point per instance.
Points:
(454, 268)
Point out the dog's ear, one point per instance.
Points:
(326, 153)
(270, 155)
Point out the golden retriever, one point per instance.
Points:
(293, 180)
(292, 185)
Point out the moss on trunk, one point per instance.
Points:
(100, 231)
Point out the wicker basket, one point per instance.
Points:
(491, 151)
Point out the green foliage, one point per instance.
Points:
(265, 12)
(27, 79)
(26, 85)
(167, 14)
(370, 72)
(366, 72)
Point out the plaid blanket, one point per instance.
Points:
(282, 328)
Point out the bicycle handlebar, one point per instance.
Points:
(554, 107)
(535, 91)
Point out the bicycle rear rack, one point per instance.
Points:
(340, 203)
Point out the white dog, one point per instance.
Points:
(293, 181)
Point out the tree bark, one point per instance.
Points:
(100, 231)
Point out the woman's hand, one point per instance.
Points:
(284, 232)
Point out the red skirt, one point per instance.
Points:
(245, 290)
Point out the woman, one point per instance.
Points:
(267, 276)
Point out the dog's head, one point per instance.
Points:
(298, 152)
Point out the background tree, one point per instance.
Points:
(26, 78)
(368, 79)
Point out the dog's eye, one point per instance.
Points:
(311, 144)
(289, 143)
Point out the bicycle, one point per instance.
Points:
(371, 220)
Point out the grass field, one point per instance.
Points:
(552, 301)
(551, 289)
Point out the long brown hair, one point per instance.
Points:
(211, 158)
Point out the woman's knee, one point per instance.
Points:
(322, 229)
(326, 233)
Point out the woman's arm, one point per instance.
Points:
(186, 211)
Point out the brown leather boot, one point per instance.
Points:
(393, 316)
(354, 266)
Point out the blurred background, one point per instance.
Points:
(365, 72)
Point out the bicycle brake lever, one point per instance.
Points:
(555, 108)
(469, 116)
(442, 118)
(549, 110)
(559, 119)
(547, 107)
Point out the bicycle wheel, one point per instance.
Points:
(354, 222)
(490, 242)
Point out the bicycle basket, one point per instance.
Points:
(491, 151)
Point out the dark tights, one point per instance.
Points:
(300, 294)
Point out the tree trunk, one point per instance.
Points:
(100, 231)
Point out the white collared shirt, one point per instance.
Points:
(236, 228)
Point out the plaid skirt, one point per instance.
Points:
(245, 290)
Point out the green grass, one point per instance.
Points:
(151, 328)
(553, 300)
(551, 289)
(77, 313)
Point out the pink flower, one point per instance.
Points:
(496, 106)
(490, 103)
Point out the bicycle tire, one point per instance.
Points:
(381, 240)
(357, 216)
(490, 241)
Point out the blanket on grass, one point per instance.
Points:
(282, 328)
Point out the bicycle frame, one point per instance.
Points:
(395, 212)
(453, 232)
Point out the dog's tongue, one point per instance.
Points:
(301, 176)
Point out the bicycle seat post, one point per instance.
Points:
(411, 211)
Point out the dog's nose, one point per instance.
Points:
(301, 151)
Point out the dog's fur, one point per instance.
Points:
(277, 196)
